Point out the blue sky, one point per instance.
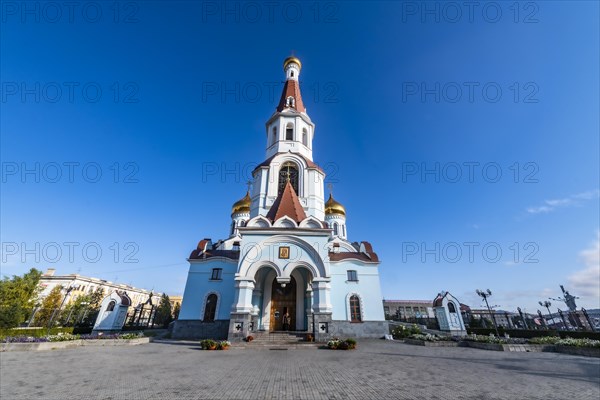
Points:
(167, 102)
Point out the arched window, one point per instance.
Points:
(232, 227)
(242, 223)
(289, 131)
(304, 137)
(283, 177)
(274, 134)
(290, 102)
(335, 228)
(111, 306)
(355, 309)
(344, 230)
(451, 307)
(210, 308)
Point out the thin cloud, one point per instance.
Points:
(571, 201)
(586, 282)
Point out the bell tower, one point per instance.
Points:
(290, 129)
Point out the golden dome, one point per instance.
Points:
(242, 205)
(333, 207)
(291, 59)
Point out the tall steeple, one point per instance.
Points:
(291, 97)
(290, 129)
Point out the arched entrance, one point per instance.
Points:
(283, 301)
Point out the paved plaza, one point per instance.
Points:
(376, 370)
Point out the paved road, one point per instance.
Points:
(376, 370)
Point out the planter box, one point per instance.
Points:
(427, 343)
(579, 351)
(71, 344)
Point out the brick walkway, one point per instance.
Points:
(376, 370)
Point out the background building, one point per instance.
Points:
(83, 285)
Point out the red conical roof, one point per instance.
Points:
(287, 204)
(291, 89)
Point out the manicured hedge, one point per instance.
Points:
(531, 333)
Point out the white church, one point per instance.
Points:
(287, 263)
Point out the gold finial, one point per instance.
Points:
(249, 184)
(330, 187)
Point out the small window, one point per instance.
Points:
(451, 307)
(304, 137)
(232, 227)
(335, 228)
(292, 75)
(352, 276)
(210, 308)
(216, 274)
(111, 306)
(274, 134)
(355, 309)
(289, 132)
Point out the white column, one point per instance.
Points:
(243, 295)
(322, 295)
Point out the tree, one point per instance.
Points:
(50, 304)
(176, 311)
(17, 298)
(163, 314)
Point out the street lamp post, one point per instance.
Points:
(522, 318)
(542, 319)
(562, 317)
(485, 296)
(547, 304)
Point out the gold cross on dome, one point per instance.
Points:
(330, 187)
(249, 184)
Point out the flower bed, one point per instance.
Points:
(337, 344)
(209, 344)
(52, 342)
(403, 331)
(431, 340)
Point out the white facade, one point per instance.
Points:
(287, 250)
(113, 311)
(447, 311)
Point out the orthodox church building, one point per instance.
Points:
(287, 263)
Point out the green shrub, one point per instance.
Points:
(33, 332)
(403, 331)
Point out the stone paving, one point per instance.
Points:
(376, 370)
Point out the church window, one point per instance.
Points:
(274, 134)
(111, 306)
(304, 137)
(352, 276)
(290, 102)
(292, 74)
(335, 228)
(355, 309)
(210, 308)
(283, 177)
(451, 307)
(344, 230)
(216, 274)
(289, 132)
(232, 227)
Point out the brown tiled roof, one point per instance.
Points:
(352, 255)
(287, 204)
(308, 162)
(291, 88)
(199, 255)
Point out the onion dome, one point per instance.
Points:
(290, 60)
(242, 205)
(333, 207)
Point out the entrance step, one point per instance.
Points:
(279, 337)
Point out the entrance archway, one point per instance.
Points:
(283, 301)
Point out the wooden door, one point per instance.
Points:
(283, 299)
